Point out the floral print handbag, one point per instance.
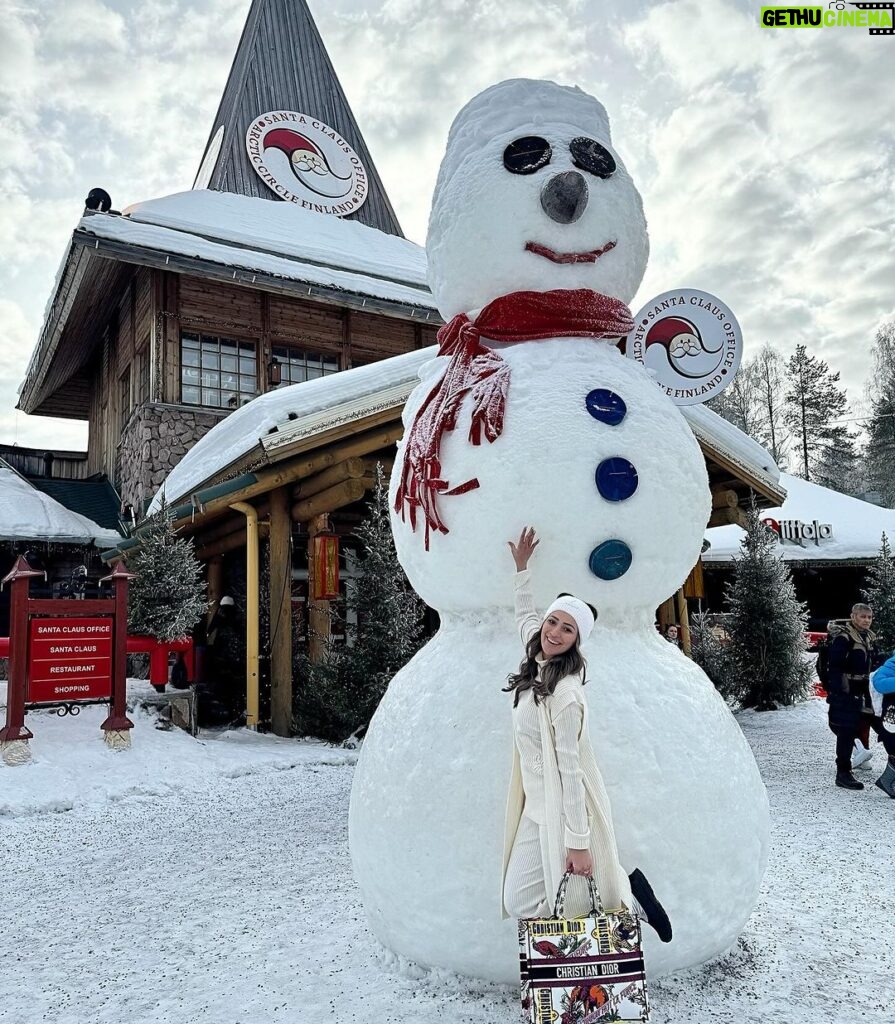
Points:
(587, 971)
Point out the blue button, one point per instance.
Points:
(606, 406)
(610, 559)
(616, 479)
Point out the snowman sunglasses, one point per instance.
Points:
(530, 153)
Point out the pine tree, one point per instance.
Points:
(881, 427)
(767, 624)
(707, 650)
(167, 598)
(880, 595)
(345, 690)
(814, 403)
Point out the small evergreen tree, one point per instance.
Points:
(880, 595)
(167, 598)
(707, 650)
(767, 624)
(342, 692)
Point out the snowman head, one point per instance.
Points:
(532, 196)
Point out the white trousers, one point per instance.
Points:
(524, 890)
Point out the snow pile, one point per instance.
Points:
(72, 767)
(27, 514)
(273, 238)
(857, 526)
(231, 898)
(346, 393)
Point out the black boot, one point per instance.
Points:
(886, 781)
(845, 780)
(656, 917)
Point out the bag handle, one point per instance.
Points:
(596, 904)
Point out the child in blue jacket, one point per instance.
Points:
(883, 682)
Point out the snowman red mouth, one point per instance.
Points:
(568, 257)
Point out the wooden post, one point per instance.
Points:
(666, 614)
(318, 611)
(252, 611)
(684, 620)
(215, 581)
(116, 726)
(280, 556)
(14, 737)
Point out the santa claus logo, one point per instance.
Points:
(690, 342)
(304, 161)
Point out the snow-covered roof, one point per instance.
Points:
(856, 526)
(273, 238)
(282, 416)
(29, 514)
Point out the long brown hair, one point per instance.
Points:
(571, 662)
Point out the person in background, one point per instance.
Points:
(673, 634)
(852, 657)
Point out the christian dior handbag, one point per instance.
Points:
(585, 971)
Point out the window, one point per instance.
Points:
(296, 365)
(142, 377)
(217, 372)
(124, 398)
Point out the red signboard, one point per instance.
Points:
(70, 660)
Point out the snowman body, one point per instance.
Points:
(595, 457)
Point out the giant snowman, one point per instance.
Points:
(553, 427)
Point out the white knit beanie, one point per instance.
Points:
(583, 616)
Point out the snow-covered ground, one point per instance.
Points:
(209, 880)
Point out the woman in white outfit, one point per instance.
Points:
(559, 817)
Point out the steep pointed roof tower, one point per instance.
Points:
(282, 70)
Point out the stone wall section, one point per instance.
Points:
(154, 440)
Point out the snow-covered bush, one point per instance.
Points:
(764, 664)
(337, 697)
(167, 598)
(880, 595)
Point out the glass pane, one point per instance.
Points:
(229, 399)
(246, 365)
(331, 365)
(228, 347)
(190, 341)
(189, 375)
(190, 357)
(247, 385)
(314, 371)
(211, 359)
(228, 362)
(281, 352)
(298, 373)
(190, 396)
(211, 379)
(246, 346)
(211, 396)
(229, 381)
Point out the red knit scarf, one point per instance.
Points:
(479, 372)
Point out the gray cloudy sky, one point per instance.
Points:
(765, 157)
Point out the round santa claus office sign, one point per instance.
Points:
(304, 161)
(690, 342)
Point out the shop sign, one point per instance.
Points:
(794, 531)
(70, 659)
(304, 161)
(690, 342)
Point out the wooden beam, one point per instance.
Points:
(726, 516)
(329, 500)
(350, 469)
(684, 620)
(318, 611)
(280, 563)
(722, 497)
(232, 542)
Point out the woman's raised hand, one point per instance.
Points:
(523, 548)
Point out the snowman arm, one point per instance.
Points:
(566, 731)
(528, 619)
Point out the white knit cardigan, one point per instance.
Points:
(611, 879)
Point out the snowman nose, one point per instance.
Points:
(564, 197)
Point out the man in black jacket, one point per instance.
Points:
(852, 657)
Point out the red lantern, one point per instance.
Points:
(326, 567)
